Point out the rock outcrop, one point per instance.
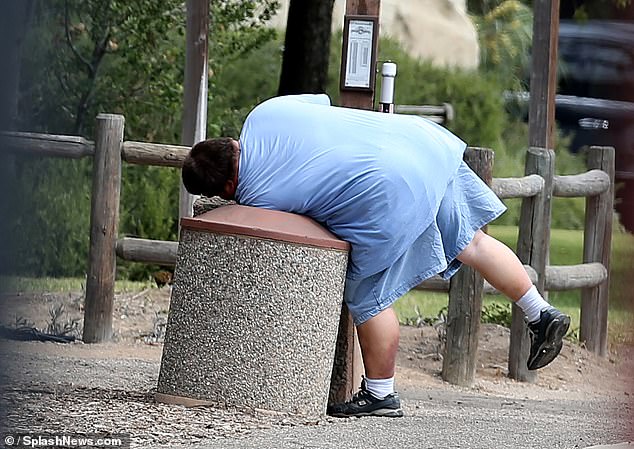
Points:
(437, 30)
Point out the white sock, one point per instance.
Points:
(380, 387)
(532, 304)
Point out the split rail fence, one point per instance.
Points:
(537, 189)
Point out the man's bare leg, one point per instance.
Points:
(378, 338)
(501, 267)
(497, 264)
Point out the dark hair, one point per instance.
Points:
(208, 166)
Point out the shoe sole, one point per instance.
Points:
(382, 412)
(550, 348)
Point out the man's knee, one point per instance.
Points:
(468, 255)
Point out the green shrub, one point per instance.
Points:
(240, 84)
(148, 209)
(477, 100)
(46, 226)
(497, 313)
(141, 77)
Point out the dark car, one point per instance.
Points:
(595, 96)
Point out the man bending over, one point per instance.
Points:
(396, 188)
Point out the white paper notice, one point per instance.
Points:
(358, 63)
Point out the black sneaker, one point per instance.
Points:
(364, 403)
(547, 334)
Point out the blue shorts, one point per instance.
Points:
(468, 205)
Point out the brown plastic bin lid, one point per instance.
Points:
(266, 224)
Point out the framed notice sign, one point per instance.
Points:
(358, 59)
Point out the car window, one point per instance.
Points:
(596, 70)
(597, 61)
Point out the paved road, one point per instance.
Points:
(441, 419)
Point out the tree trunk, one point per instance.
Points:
(14, 25)
(306, 47)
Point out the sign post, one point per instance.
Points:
(359, 53)
(358, 73)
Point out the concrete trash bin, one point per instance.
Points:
(254, 311)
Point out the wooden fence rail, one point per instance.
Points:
(143, 153)
(525, 187)
(48, 145)
(157, 252)
(442, 114)
(590, 183)
(536, 188)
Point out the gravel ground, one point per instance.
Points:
(109, 388)
(578, 401)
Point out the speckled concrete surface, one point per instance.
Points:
(253, 322)
(204, 204)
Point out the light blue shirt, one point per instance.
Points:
(375, 180)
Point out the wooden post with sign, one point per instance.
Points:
(541, 123)
(359, 53)
(358, 72)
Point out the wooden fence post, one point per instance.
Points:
(465, 300)
(596, 248)
(533, 246)
(543, 78)
(104, 221)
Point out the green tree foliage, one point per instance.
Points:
(125, 57)
(476, 97)
(89, 56)
(505, 29)
(505, 36)
(47, 216)
(80, 54)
